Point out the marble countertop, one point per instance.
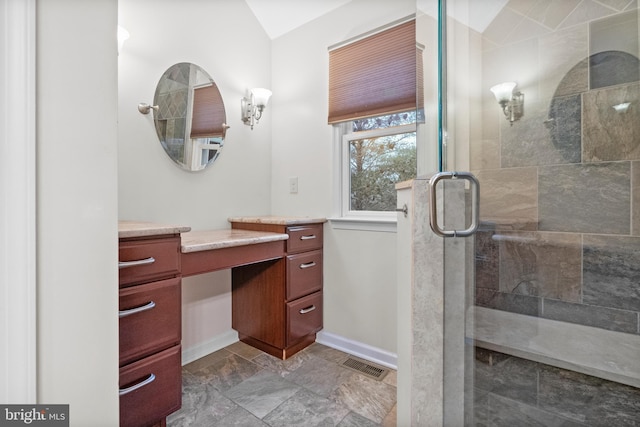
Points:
(410, 182)
(204, 240)
(278, 220)
(127, 229)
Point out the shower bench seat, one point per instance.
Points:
(592, 351)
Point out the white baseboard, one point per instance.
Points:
(355, 348)
(216, 343)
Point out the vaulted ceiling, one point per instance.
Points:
(281, 16)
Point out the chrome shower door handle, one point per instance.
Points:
(475, 204)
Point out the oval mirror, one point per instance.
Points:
(190, 119)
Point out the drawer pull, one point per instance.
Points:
(127, 264)
(309, 237)
(129, 312)
(151, 378)
(308, 265)
(308, 309)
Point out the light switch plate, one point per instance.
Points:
(293, 184)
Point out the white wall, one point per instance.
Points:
(251, 176)
(81, 157)
(359, 266)
(224, 38)
(18, 202)
(77, 291)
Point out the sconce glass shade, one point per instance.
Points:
(261, 96)
(622, 107)
(253, 105)
(503, 91)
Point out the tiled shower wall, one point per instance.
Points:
(560, 188)
(172, 95)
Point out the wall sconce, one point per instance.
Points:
(146, 108)
(253, 105)
(511, 100)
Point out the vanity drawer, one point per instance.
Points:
(304, 238)
(304, 317)
(304, 274)
(151, 388)
(149, 259)
(150, 318)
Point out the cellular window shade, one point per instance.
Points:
(208, 113)
(375, 75)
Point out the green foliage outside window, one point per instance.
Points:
(378, 163)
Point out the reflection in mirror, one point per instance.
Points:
(190, 119)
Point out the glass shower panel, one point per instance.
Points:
(552, 277)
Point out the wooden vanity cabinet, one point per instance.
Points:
(150, 329)
(277, 305)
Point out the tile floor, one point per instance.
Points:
(242, 386)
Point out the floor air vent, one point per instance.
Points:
(375, 372)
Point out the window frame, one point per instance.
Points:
(344, 217)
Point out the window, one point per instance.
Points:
(375, 154)
(373, 98)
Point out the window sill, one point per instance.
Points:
(386, 225)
